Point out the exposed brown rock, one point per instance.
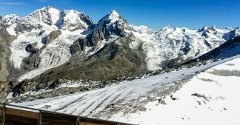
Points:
(52, 36)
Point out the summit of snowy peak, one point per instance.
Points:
(74, 20)
(111, 18)
(166, 28)
(217, 33)
(113, 23)
(234, 32)
(48, 15)
(71, 11)
(11, 18)
(213, 27)
(114, 14)
(48, 7)
(237, 29)
(141, 28)
(205, 28)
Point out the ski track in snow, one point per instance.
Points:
(92, 102)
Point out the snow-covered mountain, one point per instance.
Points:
(66, 20)
(51, 45)
(46, 15)
(116, 70)
(171, 46)
(48, 32)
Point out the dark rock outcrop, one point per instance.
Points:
(31, 62)
(110, 63)
(52, 36)
(104, 30)
(24, 26)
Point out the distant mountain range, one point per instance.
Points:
(49, 47)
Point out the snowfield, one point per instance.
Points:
(205, 99)
(170, 43)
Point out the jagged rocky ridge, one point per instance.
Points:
(49, 45)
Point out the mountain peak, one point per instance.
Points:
(72, 11)
(110, 18)
(114, 13)
(48, 15)
(209, 28)
(11, 18)
(10, 15)
(113, 16)
(205, 28)
(74, 20)
(48, 7)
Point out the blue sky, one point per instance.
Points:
(153, 13)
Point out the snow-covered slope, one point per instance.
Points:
(111, 19)
(208, 98)
(53, 55)
(73, 20)
(178, 44)
(10, 19)
(135, 93)
(34, 30)
(47, 15)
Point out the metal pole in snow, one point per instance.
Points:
(40, 118)
(78, 121)
(3, 113)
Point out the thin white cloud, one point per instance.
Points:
(11, 3)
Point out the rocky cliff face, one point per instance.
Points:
(5, 41)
